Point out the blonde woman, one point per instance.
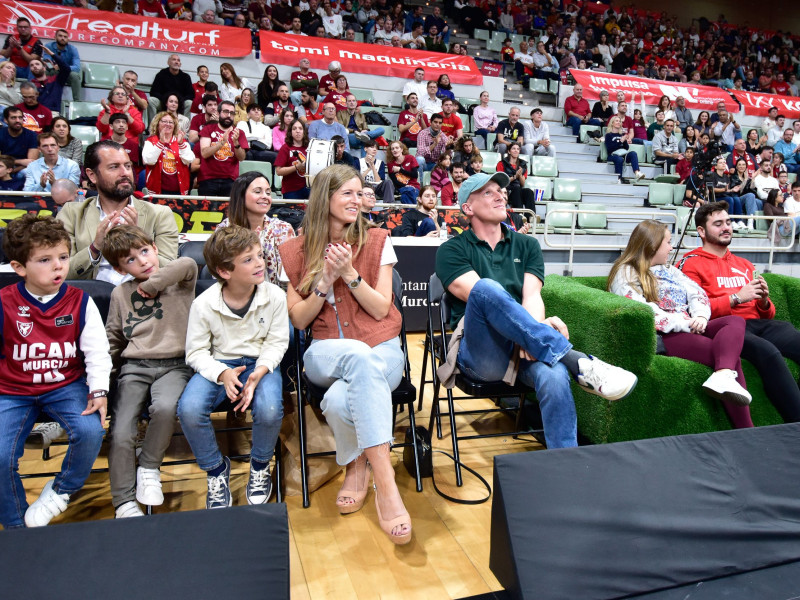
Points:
(232, 85)
(9, 88)
(340, 274)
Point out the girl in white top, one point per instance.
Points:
(232, 85)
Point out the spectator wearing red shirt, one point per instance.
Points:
(211, 89)
(130, 80)
(338, 96)
(22, 47)
(222, 147)
(199, 89)
(578, 112)
(209, 115)
(37, 116)
(451, 123)
(411, 121)
(779, 86)
(119, 102)
(684, 166)
(328, 82)
(310, 109)
(291, 163)
(118, 123)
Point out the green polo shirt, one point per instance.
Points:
(514, 255)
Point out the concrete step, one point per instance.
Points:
(572, 155)
(585, 167)
(561, 139)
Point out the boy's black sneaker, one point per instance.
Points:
(219, 488)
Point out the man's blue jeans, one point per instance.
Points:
(494, 324)
(576, 122)
(18, 416)
(201, 397)
(751, 204)
(373, 134)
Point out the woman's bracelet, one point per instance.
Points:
(319, 293)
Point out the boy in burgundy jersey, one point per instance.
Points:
(54, 361)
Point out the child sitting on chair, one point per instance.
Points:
(54, 362)
(238, 333)
(146, 330)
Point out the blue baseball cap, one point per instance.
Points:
(477, 181)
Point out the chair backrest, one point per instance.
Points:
(201, 285)
(100, 292)
(567, 190)
(678, 193)
(560, 219)
(437, 296)
(98, 75)
(544, 166)
(682, 219)
(194, 250)
(490, 160)
(262, 167)
(593, 221)
(397, 291)
(544, 183)
(660, 194)
(84, 109)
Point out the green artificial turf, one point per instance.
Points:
(668, 399)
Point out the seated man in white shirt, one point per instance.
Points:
(537, 136)
(775, 134)
(259, 136)
(417, 86)
(414, 39)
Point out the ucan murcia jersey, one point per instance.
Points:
(40, 341)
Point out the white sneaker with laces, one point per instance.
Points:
(751, 224)
(605, 380)
(48, 505)
(722, 385)
(362, 137)
(259, 487)
(219, 488)
(639, 175)
(127, 510)
(148, 487)
(43, 435)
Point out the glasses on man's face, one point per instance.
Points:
(226, 112)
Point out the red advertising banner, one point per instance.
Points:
(126, 31)
(699, 97)
(371, 59)
(758, 104)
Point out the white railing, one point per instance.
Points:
(637, 216)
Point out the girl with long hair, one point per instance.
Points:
(246, 98)
(403, 170)
(251, 200)
(291, 162)
(465, 150)
(440, 175)
(279, 132)
(689, 139)
(173, 103)
(267, 90)
(68, 146)
(484, 118)
(517, 170)
(703, 123)
(167, 156)
(665, 104)
(683, 316)
(340, 284)
(232, 85)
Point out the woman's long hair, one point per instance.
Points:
(316, 225)
(642, 246)
(234, 77)
(290, 138)
(69, 129)
(237, 209)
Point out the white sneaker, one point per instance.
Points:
(43, 435)
(362, 137)
(128, 509)
(639, 175)
(48, 505)
(148, 487)
(605, 380)
(751, 224)
(722, 385)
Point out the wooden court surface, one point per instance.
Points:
(335, 556)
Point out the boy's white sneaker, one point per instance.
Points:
(128, 509)
(48, 505)
(148, 487)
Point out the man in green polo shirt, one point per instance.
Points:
(494, 277)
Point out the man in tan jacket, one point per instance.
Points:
(109, 169)
(356, 124)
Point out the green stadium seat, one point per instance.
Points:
(540, 86)
(678, 194)
(482, 34)
(76, 110)
(567, 190)
(426, 178)
(96, 75)
(641, 152)
(593, 224)
(561, 222)
(667, 178)
(660, 194)
(544, 183)
(603, 152)
(262, 167)
(762, 224)
(585, 129)
(85, 133)
(544, 166)
(490, 160)
(682, 218)
(362, 94)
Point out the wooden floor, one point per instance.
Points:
(335, 556)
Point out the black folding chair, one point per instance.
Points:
(307, 393)
(471, 388)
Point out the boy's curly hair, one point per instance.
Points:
(25, 233)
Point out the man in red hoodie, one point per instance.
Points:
(733, 289)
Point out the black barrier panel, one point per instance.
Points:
(415, 264)
(617, 520)
(240, 552)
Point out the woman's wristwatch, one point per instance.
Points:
(355, 283)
